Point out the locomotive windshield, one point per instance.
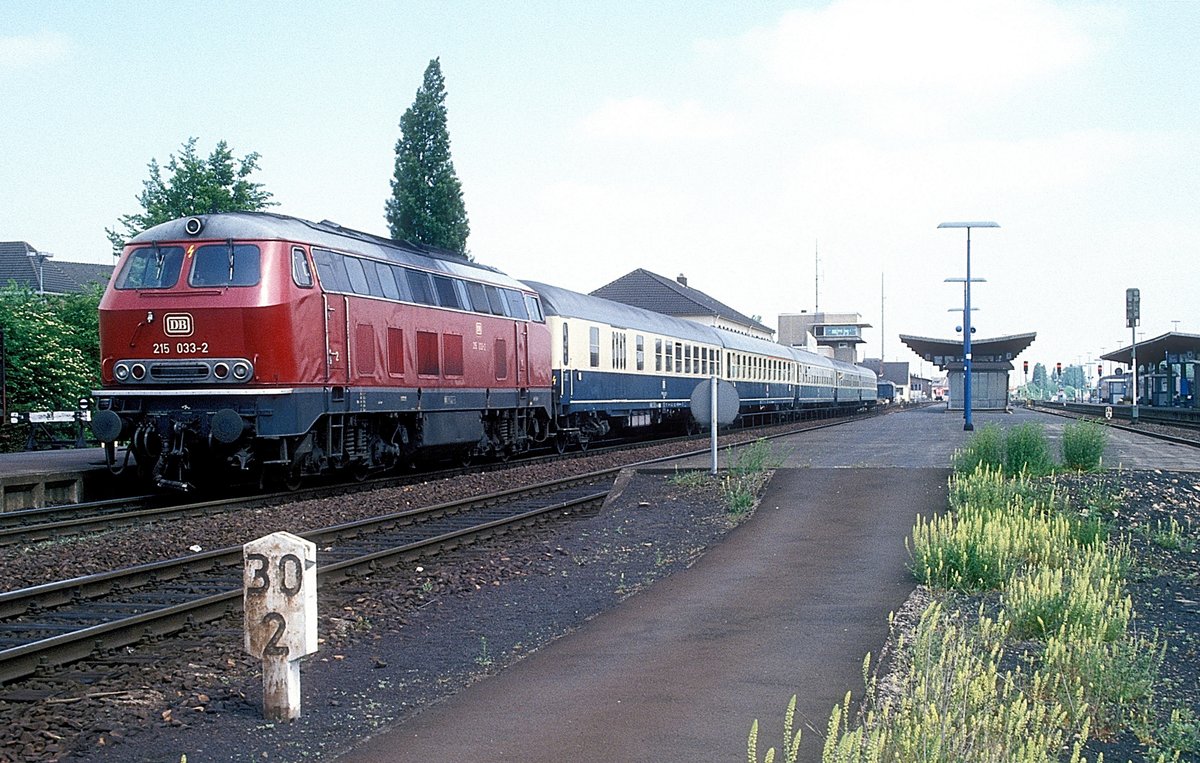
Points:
(151, 267)
(158, 267)
(225, 265)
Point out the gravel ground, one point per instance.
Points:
(400, 640)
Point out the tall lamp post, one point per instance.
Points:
(968, 424)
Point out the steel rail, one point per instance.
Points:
(1069, 413)
(41, 602)
(34, 525)
(224, 568)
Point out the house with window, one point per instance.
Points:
(24, 265)
(674, 297)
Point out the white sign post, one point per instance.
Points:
(279, 580)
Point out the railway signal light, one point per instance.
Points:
(1058, 369)
(1099, 369)
(1026, 365)
(1133, 308)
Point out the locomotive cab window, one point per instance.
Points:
(151, 267)
(301, 275)
(225, 265)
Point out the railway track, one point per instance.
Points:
(35, 525)
(1168, 429)
(53, 624)
(57, 623)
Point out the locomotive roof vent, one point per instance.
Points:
(193, 225)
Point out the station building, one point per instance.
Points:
(837, 335)
(1167, 369)
(991, 362)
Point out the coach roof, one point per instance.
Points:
(571, 304)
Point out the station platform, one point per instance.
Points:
(777, 608)
(33, 479)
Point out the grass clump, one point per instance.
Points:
(1050, 657)
(1026, 450)
(1083, 445)
(748, 469)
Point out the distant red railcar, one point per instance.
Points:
(256, 345)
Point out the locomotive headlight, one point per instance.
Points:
(221, 370)
(241, 370)
(121, 371)
(138, 370)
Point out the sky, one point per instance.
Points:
(784, 156)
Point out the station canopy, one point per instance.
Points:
(948, 353)
(1174, 347)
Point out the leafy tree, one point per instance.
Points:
(426, 206)
(1041, 382)
(51, 350)
(195, 186)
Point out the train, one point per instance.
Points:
(252, 346)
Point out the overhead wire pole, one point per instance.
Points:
(968, 424)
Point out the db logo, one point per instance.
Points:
(177, 324)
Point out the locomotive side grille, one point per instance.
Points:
(179, 371)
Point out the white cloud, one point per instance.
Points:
(33, 50)
(646, 120)
(968, 46)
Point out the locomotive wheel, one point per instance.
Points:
(292, 480)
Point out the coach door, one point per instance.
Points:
(337, 329)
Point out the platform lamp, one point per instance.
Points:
(968, 424)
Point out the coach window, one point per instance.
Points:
(301, 275)
(420, 286)
(594, 347)
(151, 267)
(479, 300)
(516, 304)
(226, 264)
(704, 360)
(332, 278)
(658, 355)
(358, 279)
(446, 293)
(678, 357)
(534, 308)
(460, 288)
(566, 348)
(669, 364)
(495, 300)
(640, 344)
(687, 358)
(387, 281)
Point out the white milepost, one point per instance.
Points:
(279, 583)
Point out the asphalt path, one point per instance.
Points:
(789, 603)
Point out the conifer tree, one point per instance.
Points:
(426, 206)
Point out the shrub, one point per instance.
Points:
(985, 448)
(1026, 450)
(1083, 445)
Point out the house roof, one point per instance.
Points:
(650, 291)
(1174, 343)
(56, 276)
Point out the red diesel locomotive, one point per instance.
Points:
(256, 346)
